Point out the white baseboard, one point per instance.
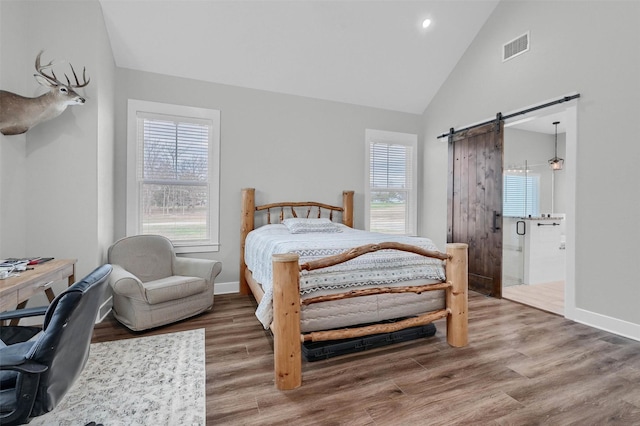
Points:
(104, 310)
(227, 288)
(606, 323)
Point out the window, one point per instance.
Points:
(521, 195)
(391, 178)
(173, 174)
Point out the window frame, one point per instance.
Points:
(531, 204)
(133, 202)
(393, 138)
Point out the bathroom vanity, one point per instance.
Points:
(543, 248)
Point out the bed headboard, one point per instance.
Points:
(284, 209)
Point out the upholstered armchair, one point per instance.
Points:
(153, 287)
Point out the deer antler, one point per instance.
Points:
(40, 69)
(84, 77)
(53, 79)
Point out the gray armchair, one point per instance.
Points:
(153, 287)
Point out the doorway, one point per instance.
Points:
(539, 210)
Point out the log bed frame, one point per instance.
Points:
(286, 288)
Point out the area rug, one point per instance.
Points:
(155, 380)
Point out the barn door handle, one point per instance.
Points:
(524, 227)
(496, 217)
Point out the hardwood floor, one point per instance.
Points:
(547, 296)
(522, 366)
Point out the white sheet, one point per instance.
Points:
(381, 268)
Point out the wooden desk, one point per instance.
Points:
(15, 291)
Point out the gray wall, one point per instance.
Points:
(56, 180)
(289, 148)
(58, 189)
(14, 77)
(588, 47)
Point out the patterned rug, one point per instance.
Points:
(155, 380)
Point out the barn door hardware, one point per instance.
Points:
(496, 221)
(500, 117)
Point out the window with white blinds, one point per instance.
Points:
(391, 196)
(173, 184)
(521, 195)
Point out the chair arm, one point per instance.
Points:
(23, 313)
(124, 283)
(25, 388)
(14, 357)
(29, 367)
(193, 267)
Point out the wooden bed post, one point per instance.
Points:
(246, 226)
(347, 205)
(457, 298)
(286, 321)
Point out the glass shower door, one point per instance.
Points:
(520, 199)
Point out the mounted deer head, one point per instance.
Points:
(18, 113)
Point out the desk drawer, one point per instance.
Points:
(25, 293)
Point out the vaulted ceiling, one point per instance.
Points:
(371, 53)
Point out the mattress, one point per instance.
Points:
(386, 268)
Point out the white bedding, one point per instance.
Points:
(381, 268)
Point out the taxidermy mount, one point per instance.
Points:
(18, 113)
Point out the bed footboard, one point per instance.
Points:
(287, 305)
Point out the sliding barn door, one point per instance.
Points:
(475, 203)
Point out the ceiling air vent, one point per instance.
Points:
(515, 47)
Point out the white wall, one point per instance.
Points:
(63, 168)
(289, 148)
(587, 47)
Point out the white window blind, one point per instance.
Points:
(391, 197)
(174, 177)
(521, 195)
(174, 174)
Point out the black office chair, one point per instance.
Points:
(36, 374)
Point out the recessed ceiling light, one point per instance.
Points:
(426, 23)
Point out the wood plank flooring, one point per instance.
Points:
(547, 296)
(522, 366)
